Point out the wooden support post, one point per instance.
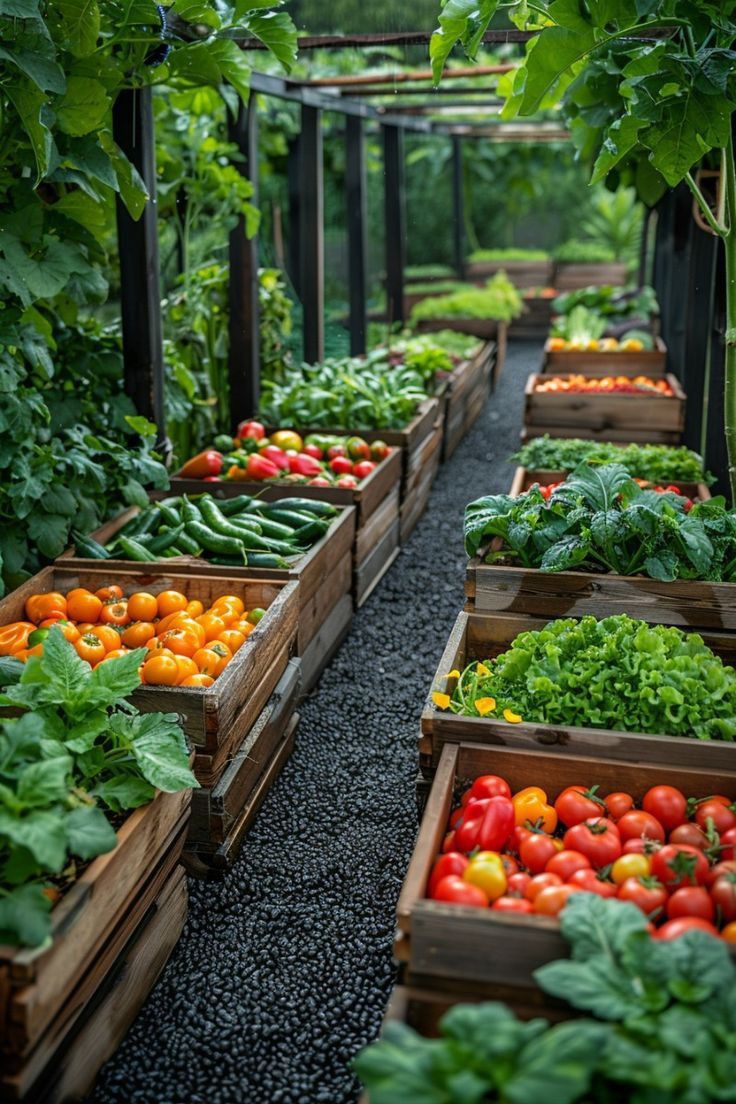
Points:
(140, 289)
(395, 220)
(312, 245)
(244, 361)
(355, 198)
(458, 211)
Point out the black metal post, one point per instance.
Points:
(395, 220)
(244, 361)
(700, 283)
(311, 216)
(140, 289)
(293, 252)
(355, 197)
(458, 212)
(714, 433)
(642, 271)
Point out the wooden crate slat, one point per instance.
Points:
(642, 362)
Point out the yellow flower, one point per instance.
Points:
(442, 701)
(485, 705)
(481, 669)
(453, 674)
(511, 717)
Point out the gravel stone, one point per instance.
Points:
(284, 968)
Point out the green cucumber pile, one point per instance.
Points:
(236, 532)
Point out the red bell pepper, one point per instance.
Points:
(260, 467)
(487, 824)
(277, 456)
(304, 465)
(204, 463)
(252, 429)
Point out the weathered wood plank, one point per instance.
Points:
(642, 362)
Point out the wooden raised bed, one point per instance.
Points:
(524, 478)
(571, 275)
(644, 362)
(535, 322)
(46, 990)
(217, 718)
(474, 950)
(422, 466)
(655, 419)
(521, 273)
(468, 390)
(477, 636)
(223, 812)
(485, 329)
(324, 574)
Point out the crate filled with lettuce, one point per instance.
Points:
(618, 686)
(524, 267)
(577, 344)
(95, 805)
(248, 536)
(581, 264)
(547, 461)
(599, 542)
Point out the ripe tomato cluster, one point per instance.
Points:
(620, 385)
(674, 857)
(186, 644)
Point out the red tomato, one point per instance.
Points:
(490, 785)
(690, 901)
(728, 844)
(618, 803)
(540, 882)
(347, 482)
(641, 847)
(640, 825)
(340, 465)
(456, 816)
(597, 839)
(565, 863)
(591, 881)
(646, 893)
(552, 900)
(458, 892)
(319, 481)
(713, 809)
(363, 469)
(314, 451)
(517, 883)
(336, 450)
(510, 865)
(450, 863)
(448, 844)
(512, 904)
(673, 929)
(723, 896)
(576, 804)
(255, 430)
(536, 851)
(517, 837)
(727, 867)
(679, 864)
(691, 834)
(667, 805)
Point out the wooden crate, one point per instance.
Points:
(222, 812)
(423, 466)
(105, 1019)
(376, 548)
(324, 572)
(474, 950)
(46, 989)
(468, 390)
(571, 275)
(534, 323)
(521, 273)
(477, 636)
(644, 362)
(524, 478)
(485, 329)
(656, 419)
(216, 718)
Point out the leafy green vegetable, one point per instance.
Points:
(663, 464)
(614, 304)
(76, 749)
(499, 299)
(616, 673)
(511, 254)
(584, 252)
(428, 272)
(600, 518)
(580, 326)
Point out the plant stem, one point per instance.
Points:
(717, 227)
(729, 241)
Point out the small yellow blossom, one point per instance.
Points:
(442, 701)
(511, 717)
(481, 669)
(485, 705)
(453, 674)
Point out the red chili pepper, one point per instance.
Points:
(304, 465)
(204, 463)
(277, 456)
(486, 824)
(252, 429)
(260, 467)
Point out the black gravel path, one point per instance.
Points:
(284, 968)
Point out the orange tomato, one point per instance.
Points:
(207, 661)
(41, 606)
(142, 606)
(109, 636)
(186, 666)
(244, 627)
(155, 644)
(180, 642)
(170, 601)
(106, 594)
(233, 639)
(14, 637)
(36, 650)
(115, 613)
(188, 624)
(85, 627)
(49, 622)
(212, 625)
(222, 652)
(71, 632)
(115, 654)
(198, 680)
(91, 648)
(83, 605)
(138, 634)
(229, 600)
(160, 670)
(195, 608)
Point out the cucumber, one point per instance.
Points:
(266, 559)
(187, 544)
(165, 539)
(309, 505)
(231, 506)
(269, 528)
(135, 551)
(169, 512)
(288, 517)
(211, 541)
(312, 532)
(89, 548)
(189, 511)
(220, 524)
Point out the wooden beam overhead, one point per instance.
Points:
(392, 38)
(354, 80)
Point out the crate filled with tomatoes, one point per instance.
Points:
(509, 835)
